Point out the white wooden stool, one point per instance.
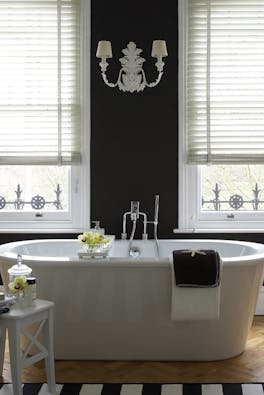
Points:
(41, 315)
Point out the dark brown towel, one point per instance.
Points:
(196, 268)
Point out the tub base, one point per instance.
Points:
(119, 308)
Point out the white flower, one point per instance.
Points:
(18, 285)
(193, 252)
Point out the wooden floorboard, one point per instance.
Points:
(248, 367)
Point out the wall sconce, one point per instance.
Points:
(131, 77)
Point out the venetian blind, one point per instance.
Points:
(225, 81)
(39, 82)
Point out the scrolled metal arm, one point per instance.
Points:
(152, 84)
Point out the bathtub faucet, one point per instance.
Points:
(134, 214)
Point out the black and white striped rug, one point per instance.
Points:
(140, 389)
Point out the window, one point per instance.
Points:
(221, 114)
(232, 188)
(40, 119)
(30, 188)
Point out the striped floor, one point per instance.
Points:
(140, 389)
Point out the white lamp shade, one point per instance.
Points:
(159, 49)
(104, 49)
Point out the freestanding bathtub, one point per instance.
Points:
(118, 308)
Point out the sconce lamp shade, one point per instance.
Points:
(159, 49)
(104, 49)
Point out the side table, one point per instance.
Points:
(16, 321)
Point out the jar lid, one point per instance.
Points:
(20, 270)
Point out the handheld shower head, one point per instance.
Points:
(156, 212)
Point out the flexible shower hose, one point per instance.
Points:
(132, 236)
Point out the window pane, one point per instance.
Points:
(31, 188)
(232, 187)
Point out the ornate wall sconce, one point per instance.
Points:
(131, 77)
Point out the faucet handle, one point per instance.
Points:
(134, 210)
(96, 224)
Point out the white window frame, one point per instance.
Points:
(191, 218)
(78, 217)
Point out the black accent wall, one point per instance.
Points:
(134, 136)
(134, 142)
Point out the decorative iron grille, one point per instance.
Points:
(37, 202)
(235, 201)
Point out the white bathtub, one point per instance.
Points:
(118, 308)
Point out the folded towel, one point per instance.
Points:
(194, 301)
(196, 268)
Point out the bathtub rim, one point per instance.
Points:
(10, 257)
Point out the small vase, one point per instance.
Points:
(19, 303)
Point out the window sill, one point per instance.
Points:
(219, 230)
(39, 231)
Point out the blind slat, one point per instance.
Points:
(39, 82)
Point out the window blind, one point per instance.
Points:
(225, 81)
(39, 82)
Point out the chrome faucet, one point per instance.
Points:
(134, 216)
